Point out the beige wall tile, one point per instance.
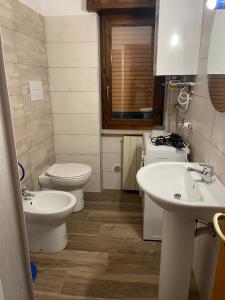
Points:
(75, 102)
(91, 160)
(6, 14)
(218, 138)
(9, 45)
(39, 130)
(41, 154)
(17, 110)
(25, 55)
(72, 28)
(31, 51)
(20, 138)
(39, 169)
(110, 160)
(202, 112)
(206, 31)
(200, 148)
(217, 159)
(27, 21)
(77, 144)
(73, 79)
(13, 79)
(28, 72)
(36, 109)
(112, 144)
(76, 124)
(112, 180)
(83, 54)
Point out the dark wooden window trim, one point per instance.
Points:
(101, 5)
(132, 18)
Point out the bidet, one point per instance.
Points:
(45, 215)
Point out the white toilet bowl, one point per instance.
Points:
(70, 177)
(45, 214)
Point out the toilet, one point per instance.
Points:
(45, 214)
(69, 177)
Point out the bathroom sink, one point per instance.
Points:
(185, 197)
(172, 187)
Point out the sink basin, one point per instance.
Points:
(184, 197)
(175, 189)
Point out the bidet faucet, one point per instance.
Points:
(25, 193)
(206, 173)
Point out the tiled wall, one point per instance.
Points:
(111, 157)
(25, 55)
(73, 56)
(208, 145)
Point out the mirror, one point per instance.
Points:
(216, 62)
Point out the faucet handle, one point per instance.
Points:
(24, 188)
(206, 166)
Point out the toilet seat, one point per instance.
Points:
(72, 171)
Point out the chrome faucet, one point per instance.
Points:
(26, 194)
(206, 173)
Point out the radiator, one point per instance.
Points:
(132, 160)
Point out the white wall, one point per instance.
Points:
(57, 7)
(63, 7)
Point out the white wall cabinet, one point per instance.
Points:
(178, 36)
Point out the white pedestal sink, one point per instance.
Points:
(185, 198)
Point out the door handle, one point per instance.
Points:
(107, 92)
(218, 230)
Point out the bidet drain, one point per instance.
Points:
(177, 196)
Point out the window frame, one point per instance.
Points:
(107, 20)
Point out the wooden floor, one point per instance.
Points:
(106, 257)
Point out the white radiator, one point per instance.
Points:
(132, 160)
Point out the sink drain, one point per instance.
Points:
(177, 196)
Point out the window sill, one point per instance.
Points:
(123, 132)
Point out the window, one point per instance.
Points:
(132, 98)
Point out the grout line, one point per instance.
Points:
(16, 31)
(59, 292)
(65, 67)
(72, 42)
(77, 91)
(76, 134)
(75, 113)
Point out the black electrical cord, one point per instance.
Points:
(172, 140)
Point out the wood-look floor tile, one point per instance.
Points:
(134, 264)
(52, 296)
(115, 196)
(106, 244)
(77, 286)
(78, 216)
(131, 231)
(66, 260)
(113, 206)
(75, 227)
(49, 282)
(115, 217)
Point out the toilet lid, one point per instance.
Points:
(68, 170)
